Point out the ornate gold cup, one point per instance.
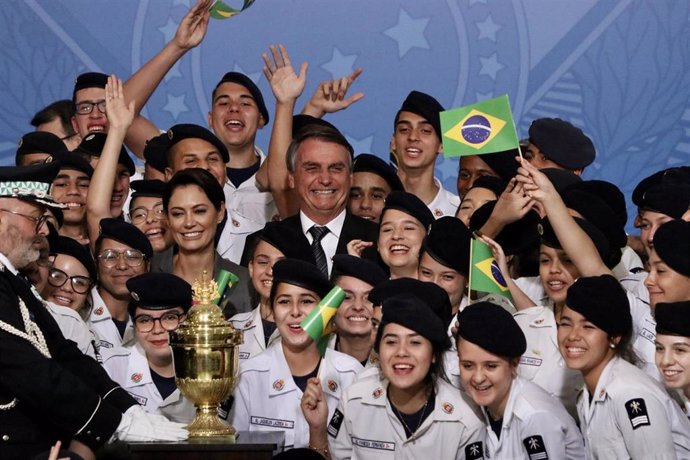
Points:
(205, 352)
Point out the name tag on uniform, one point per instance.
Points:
(530, 361)
(105, 344)
(244, 355)
(140, 399)
(647, 334)
(274, 422)
(369, 444)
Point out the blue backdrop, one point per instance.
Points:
(617, 69)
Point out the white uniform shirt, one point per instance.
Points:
(267, 398)
(542, 362)
(74, 328)
(130, 369)
(101, 323)
(535, 426)
(444, 203)
(365, 426)
(632, 417)
(234, 235)
(644, 335)
(249, 201)
(254, 341)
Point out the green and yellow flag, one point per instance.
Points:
(477, 129)
(485, 276)
(221, 10)
(317, 323)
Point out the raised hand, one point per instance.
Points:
(357, 247)
(535, 183)
(513, 203)
(285, 83)
(120, 114)
(330, 95)
(193, 27)
(313, 405)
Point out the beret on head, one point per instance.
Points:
(423, 105)
(672, 245)
(503, 163)
(152, 188)
(357, 267)
(70, 247)
(549, 238)
(607, 192)
(515, 237)
(287, 240)
(675, 175)
(673, 318)
(432, 294)
(40, 142)
(189, 131)
(301, 121)
(366, 162)
(411, 205)
(242, 79)
(125, 233)
(89, 80)
(495, 184)
(300, 273)
(159, 291)
(413, 313)
(155, 152)
(562, 143)
(670, 199)
(492, 328)
(448, 243)
(603, 302)
(73, 162)
(561, 178)
(93, 144)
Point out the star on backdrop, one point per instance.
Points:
(408, 32)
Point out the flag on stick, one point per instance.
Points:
(316, 324)
(485, 276)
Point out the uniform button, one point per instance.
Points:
(5, 437)
(98, 438)
(88, 432)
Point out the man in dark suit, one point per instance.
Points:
(319, 163)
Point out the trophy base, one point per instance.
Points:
(207, 425)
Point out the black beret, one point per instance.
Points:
(366, 162)
(675, 175)
(73, 162)
(515, 237)
(159, 291)
(155, 152)
(448, 243)
(670, 199)
(672, 245)
(413, 313)
(503, 163)
(432, 294)
(673, 318)
(92, 145)
(301, 121)
(29, 183)
(549, 238)
(125, 233)
(492, 328)
(189, 131)
(52, 237)
(153, 188)
(356, 267)
(603, 302)
(300, 273)
(425, 106)
(561, 178)
(495, 184)
(562, 143)
(288, 240)
(608, 193)
(409, 204)
(89, 80)
(71, 247)
(242, 79)
(39, 142)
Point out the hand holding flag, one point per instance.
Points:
(485, 274)
(316, 324)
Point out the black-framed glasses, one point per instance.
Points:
(139, 215)
(168, 321)
(110, 257)
(85, 108)
(58, 278)
(37, 221)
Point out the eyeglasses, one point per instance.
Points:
(168, 321)
(139, 215)
(110, 257)
(85, 108)
(37, 221)
(58, 278)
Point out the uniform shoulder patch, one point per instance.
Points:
(536, 450)
(474, 451)
(637, 413)
(335, 423)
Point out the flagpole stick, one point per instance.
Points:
(469, 278)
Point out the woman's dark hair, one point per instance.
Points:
(625, 350)
(199, 177)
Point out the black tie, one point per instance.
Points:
(317, 233)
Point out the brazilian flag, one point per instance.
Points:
(484, 127)
(485, 276)
(317, 322)
(220, 10)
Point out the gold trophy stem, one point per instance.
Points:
(208, 424)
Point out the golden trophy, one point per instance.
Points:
(205, 352)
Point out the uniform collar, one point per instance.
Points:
(7, 264)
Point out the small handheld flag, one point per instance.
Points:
(220, 10)
(477, 129)
(316, 323)
(485, 276)
(224, 278)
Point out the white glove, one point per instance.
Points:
(138, 425)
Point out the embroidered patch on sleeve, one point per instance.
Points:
(536, 450)
(334, 424)
(637, 413)
(474, 451)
